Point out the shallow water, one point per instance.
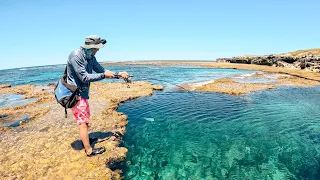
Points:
(272, 134)
(43, 75)
(11, 100)
(168, 76)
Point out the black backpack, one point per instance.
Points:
(67, 95)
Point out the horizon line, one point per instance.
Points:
(106, 62)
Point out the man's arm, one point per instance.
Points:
(80, 70)
(99, 69)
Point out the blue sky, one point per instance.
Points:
(45, 32)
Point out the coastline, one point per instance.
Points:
(285, 77)
(246, 84)
(294, 72)
(48, 146)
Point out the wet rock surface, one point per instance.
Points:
(48, 147)
(287, 76)
(232, 87)
(4, 86)
(3, 115)
(301, 73)
(35, 109)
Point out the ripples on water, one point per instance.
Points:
(174, 74)
(270, 134)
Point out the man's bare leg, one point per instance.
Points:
(85, 137)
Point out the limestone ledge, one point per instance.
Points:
(232, 87)
(302, 73)
(287, 76)
(48, 147)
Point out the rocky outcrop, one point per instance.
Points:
(52, 84)
(305, 61)
(4, 86)
(48, 146)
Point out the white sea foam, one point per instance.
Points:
(149, 119)
(237, 77)
(198, 84)
(247, 75)
(243, 76)
(42, 67)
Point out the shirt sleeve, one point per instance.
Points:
(80, 70)
(97, 67)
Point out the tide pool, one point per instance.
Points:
(272, 134)
(11, 100)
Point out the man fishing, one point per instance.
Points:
(80, 65)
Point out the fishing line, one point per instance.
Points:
(174, 85)
(171, 84)
(128, 81)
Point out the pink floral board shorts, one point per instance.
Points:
(81, 111)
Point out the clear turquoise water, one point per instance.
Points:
(43, 75)
(273, 134)
(10, 100)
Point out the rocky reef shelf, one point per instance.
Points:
(49, 146)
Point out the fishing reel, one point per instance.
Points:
(127, 80)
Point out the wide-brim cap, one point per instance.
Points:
(93, 41)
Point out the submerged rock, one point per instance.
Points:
(25, 119)
(157, 87)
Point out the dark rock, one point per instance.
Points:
(52, 84)
(164, 163)
(3, 115)
(299, 65)
(116, 164)
(284, 64)
(307, 61)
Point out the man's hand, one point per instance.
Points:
(108, 74)
(124, 75)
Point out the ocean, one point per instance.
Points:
(174, 134)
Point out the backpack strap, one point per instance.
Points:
(65, 112)
(75, 89)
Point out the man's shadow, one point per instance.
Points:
(94, 138)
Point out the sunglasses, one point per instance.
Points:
(103, 41)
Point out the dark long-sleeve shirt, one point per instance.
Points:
(79, 71)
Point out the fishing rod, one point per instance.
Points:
(128, 80)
